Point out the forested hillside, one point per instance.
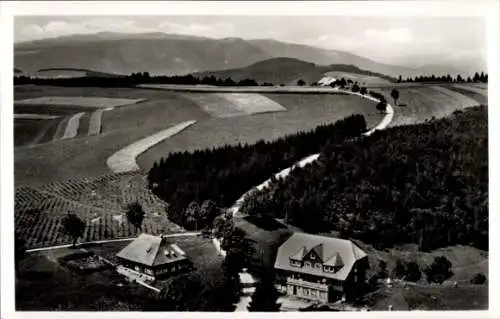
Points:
(224, 174)
(424, 184)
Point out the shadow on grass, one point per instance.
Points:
(265, 223)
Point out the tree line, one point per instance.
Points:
(223, 174)
(135, 79)
(425, 184)
(477, 78)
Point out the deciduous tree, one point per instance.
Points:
(73, 226)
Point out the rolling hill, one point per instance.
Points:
(160, 53)
(286, 71)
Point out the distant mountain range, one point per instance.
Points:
(169, 54)
(286, 71)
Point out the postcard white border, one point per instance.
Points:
(484, 8)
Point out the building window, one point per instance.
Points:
(318, 266)
(313, 257)
(307, 264)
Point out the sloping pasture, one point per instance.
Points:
(416, 105)
(304, 112)
(34, 131)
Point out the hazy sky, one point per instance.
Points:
(390, 39)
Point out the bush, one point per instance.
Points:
(399, 270)
(439, 270)
(413, 272)
(478, 279)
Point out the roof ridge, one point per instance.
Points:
(158, 251)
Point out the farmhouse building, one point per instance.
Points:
(153, 257)
(320, 268)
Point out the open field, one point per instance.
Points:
(100, 202)
(416, 105)
(474, 92)
(125, 125)
(304, 112)
(122, 126)
(84, 101)
(467, 297)
(476, 88)
(31, 132)
(234, 104)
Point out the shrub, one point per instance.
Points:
(413, 272)
(439, 270)
(478, 279)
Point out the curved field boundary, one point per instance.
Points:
(465, 101)
(72, 127)
(471, 88)
(125, 159)
(95, 122)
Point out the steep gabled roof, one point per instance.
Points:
(333, 251)
(151, 251)
(318, 250)
(335, 261)
(300, 254)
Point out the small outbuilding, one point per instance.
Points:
(153, 256)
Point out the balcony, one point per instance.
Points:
(307, 284)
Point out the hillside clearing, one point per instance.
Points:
(417, 105)
(124, 160)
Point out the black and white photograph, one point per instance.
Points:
(248, 160)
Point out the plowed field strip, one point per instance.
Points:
(95, 123)
(125, 159)
(72, 127)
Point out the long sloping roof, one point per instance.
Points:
(151, 250)
(334, 250)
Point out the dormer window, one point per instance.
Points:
(295, 263)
